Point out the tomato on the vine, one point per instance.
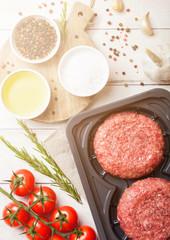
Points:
(88, 234)
(68, 217)
(21, 218)
(24, 182)
(40, 228)
(57, 237)
(47, 198)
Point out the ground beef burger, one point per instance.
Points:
(143, 210)
(129, 145)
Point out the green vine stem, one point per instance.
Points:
(21, 206)
(58, 178)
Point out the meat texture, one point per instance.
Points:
(129, 145)
(143, 210)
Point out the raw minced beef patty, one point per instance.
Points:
(129, 145)
(143, 210)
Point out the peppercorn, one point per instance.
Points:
(35, 38)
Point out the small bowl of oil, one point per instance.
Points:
(25, 93)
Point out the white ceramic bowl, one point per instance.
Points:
(11, 86)
(83, 71)
(17, 52)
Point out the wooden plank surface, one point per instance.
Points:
(55, 111)
(115, 90)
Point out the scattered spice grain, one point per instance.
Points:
(104, 44)
(128, 10)
(124, 54)
(117, 37)
(76, 36)
(120, 24)
(134, 47)
(110, 56)
(106, 33)
(110, 49)
(50, 11)
(122, 29)
(118, 29)
(136, 19)
(142, 84)
(126, 85)
(123, 73)
(110, 14)
(127, 29)
(107, 10)
(3, 66)
(44, 4)
(39, 6)
(135, 66)
(130, 60)
(95, 14)
(109, 23)
(115, 59)
(52, 3)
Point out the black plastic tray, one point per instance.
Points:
(103, 190)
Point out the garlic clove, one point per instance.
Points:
(117, 5)
(145, 26)
(154, 58)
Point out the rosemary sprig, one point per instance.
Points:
(63, 20)
(58, 178)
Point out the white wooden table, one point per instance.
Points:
(100, 33)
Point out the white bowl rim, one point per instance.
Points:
(68, 53)
(52, 53)
(47, 87)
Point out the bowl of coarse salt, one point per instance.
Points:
(83, 71)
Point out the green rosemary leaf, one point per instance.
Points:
(58, 178)
(63, 20)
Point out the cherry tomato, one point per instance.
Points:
(22, 216)
(28, 182)
(48, 193)
(69, 214)
(57, 237)
(43, 230)
(88, 234)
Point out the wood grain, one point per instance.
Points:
(63, 105)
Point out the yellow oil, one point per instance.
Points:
(24, 94)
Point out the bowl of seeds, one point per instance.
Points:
(35, 38)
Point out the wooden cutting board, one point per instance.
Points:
(63, 105)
